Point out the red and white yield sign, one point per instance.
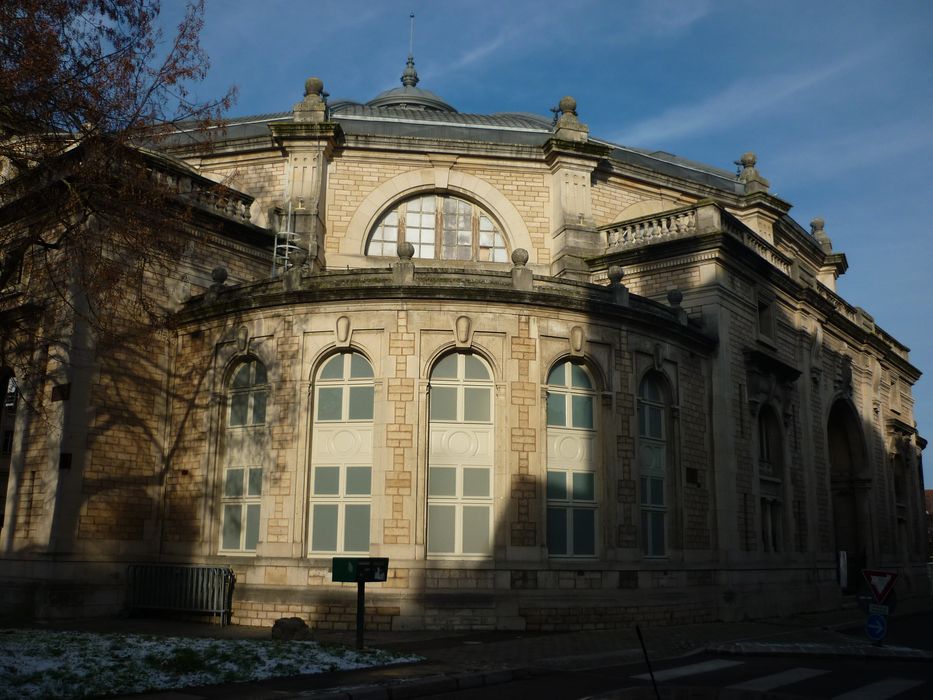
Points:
(881, 583)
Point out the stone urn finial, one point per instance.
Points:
(568, 126)
(749, 174)
(816, 229)
(405, 250)
(519, 257)
(313, 107)
(615, 274)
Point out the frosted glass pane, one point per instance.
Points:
(360, 367)
(443, 403)
(557, 485)
(557, 410)
(584, 532)
(442, 481)
(485, 238)
(361, 403)
(233, 486)
(485, 224)
(657, 533)
(356, 528)
(326, 481)
(259, 407)
(333, 368)
(252, 526)
(556, 377)
(584, 487)
(476, 405)
(260, 374)
(241, 378)
(441, 528)
(582, 411)
(427, 221)
(651, 458)
(427, 203)
(446, 368)
(475, 483)
(359, 481)
(255, 482)
(329, 403)
(427, 251)
(556, 531)
(474, 368)
(324, 528)
(579, 378)
(475, 529)
(232, 525)
(239, 403)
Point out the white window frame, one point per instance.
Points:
(249, 500)
(256, 394)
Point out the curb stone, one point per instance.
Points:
(429, 685)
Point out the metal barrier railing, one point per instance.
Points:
(181, 588)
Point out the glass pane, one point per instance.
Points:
(329, 403)
(252, 526)
(232, 525)
(443, 403)
(446, 368)
(645, 532)
(441, 524)
(582, 411)
(254, 488)
(356, 528)
(476, 406)
(326, 481)
(239, 403)
(584, 486)
(644, 491)
(476, 529)
(557, 410)
(584, 532)
(324, 528)
(642, 420)
(426, 203)
(333, 368)
(579, 378)
(655, 422)
(651, 389)
(474, 368)
(241, 378)
(651, 458)
(442, 481)
(359, 481)
(557, 485)
(657, 534)
(657, 492)
(556, 377)
(360, 367)
(361, 403)
(556, 531)
(260, 374)
(475, 482)
(259, 407)
(233, 486)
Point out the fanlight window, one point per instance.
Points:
(439, 227)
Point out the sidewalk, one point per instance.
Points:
(471, 659)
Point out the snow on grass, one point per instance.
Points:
(47, 664)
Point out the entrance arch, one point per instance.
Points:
(849, 483)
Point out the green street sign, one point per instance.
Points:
(344, 569)
(354, 570)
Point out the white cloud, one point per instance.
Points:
(669, 17)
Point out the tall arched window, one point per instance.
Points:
(241, 494)
(770, 475)
(439, 227)
(653, 464)
(341, 456)
(571, 464)
(460, 461)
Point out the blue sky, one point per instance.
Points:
(836, 98)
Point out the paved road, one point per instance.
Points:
(711, 676)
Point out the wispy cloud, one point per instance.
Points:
(670, 17)
(734, 104)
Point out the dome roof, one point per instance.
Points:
(409, 95)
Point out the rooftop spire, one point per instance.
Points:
(410, 75)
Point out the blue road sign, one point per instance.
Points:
(876, 627)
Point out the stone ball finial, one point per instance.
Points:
(748, 159)
(405, 250)
(219, 275)
(519, 257)
(674, 297)
(314, 86)
(817, 224)
(615, 273)
(568, 105)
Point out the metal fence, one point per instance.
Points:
(184, 589)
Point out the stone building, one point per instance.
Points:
(558, 382)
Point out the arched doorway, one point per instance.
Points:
(849, 482)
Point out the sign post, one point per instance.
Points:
(350, 569)
(881, 586)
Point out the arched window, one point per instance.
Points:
(439, 227)
(571, 465)
(460, 461)
(653, 464)
(341, 456)
(241, 494)
(770, 475)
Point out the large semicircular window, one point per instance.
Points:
(439, 227)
